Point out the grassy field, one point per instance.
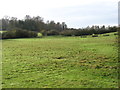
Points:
(60, 62)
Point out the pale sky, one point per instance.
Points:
(76, 13)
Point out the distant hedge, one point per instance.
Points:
(18, 34)
(49, 32)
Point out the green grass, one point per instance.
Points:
(60, 62)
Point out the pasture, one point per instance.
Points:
(60, 62)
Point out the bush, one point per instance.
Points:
(44, 32)
(52, 32)
(49, 32)
(8, 34)
(67, 33)
(106, 35)
(75, 33)
(18, 34)
(0, 35)
(84, 36)
(39, 35)
(115, 33)
(94, 35)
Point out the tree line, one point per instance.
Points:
(37, 24)
(31, 23)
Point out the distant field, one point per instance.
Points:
(60, 62)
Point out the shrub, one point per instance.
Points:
(67, 33)
(18, 34)
(8, 34)
(94, 35)
(115, 33)
(0, 35)
(44, 32)
(39, 35)
(52, 32)
(83, 36)
(75, 33)
(106, 35)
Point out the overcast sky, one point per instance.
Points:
(76, 13)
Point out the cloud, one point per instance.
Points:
(76, 13)
(84, 15)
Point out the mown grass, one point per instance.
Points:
(60, 62)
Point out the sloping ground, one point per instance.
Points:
(60, 62)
